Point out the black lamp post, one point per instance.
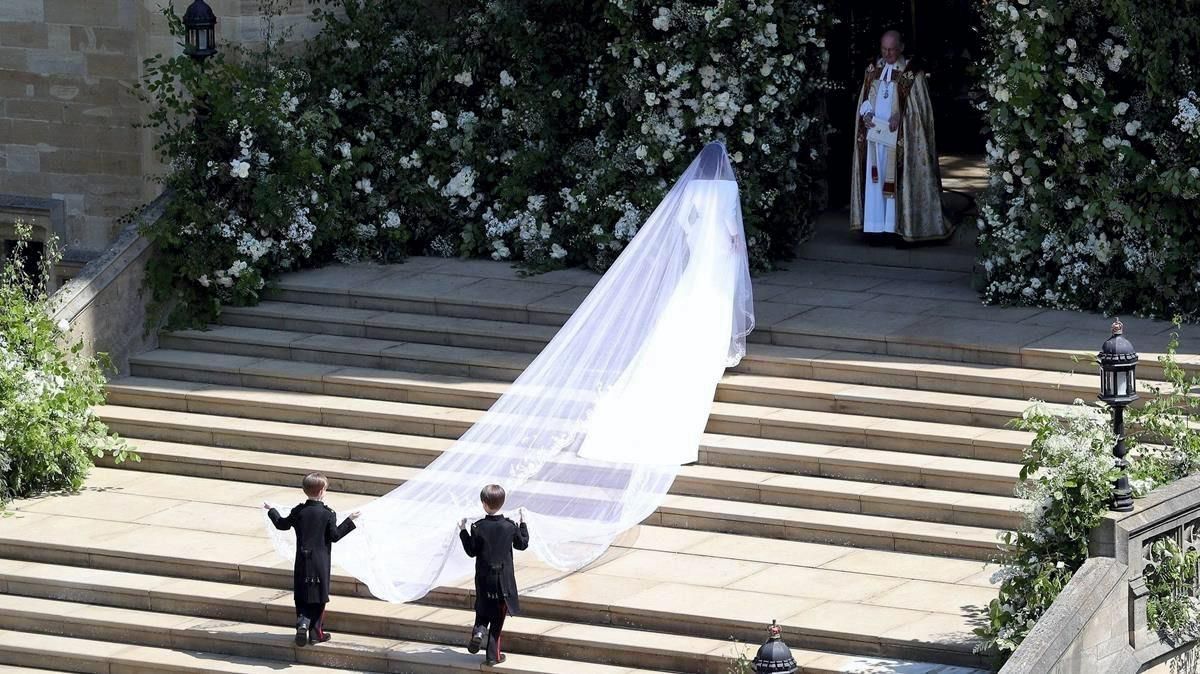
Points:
(774, 657)
(1118, 388)
(200, 41)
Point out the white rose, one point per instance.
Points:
(641, 152)
(1120, 108)
(557, 252)
(1132, 127)
(747, 137)
(1069, 102)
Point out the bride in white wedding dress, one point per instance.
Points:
(589, 439)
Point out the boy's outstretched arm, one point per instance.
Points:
(467, 538)
(337, 531)
(521, 537)
(281, 523)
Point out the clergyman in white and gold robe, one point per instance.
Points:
(897, 190)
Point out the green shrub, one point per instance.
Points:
(49, 435)
(1094, 156)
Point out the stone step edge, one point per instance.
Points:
(796, 523)
(1057, 359)
(268, 310)
(785, 457)
(736, 419)
(279, 577)
(915, 503)
(621, 644)
(146, 628)
(427, 388)
(94, 655)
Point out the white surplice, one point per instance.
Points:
(879, 212)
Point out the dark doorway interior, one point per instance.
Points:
(943, 35)
(31, 257)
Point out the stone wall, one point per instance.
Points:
(68, 113)
(1098, 622)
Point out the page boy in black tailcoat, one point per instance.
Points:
(316, 531)
(491, 542)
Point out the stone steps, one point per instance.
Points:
(708, 482)
(233, 637)
(925, 373)
(1047, 344)
(223, 602)
(799, 508)
(457, 391)
(775, 456)
(687, 583)
(752, 421)
(23, 650)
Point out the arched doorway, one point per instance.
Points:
(943, 36)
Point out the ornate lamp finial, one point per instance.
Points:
(1118, 328)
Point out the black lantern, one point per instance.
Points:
(774, 657)
(1118, 388)
(200, 42)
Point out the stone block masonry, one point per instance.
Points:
(68, 113)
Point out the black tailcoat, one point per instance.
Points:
(491, 542)
(316, 531)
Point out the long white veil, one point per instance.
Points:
(590, 437)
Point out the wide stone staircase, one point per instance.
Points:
(851, 485)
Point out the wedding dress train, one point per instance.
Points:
(589, 439)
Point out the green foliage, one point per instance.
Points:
(1095, 155)
(252, 191)
(1171, 575)
(1164, 443)
(48, 433)
(542, 133)
(1066, 476)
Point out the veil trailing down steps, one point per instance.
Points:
(589, 439)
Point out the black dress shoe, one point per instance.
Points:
(492, 663)
(314, 638)
(476, 640)
(302, 626)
